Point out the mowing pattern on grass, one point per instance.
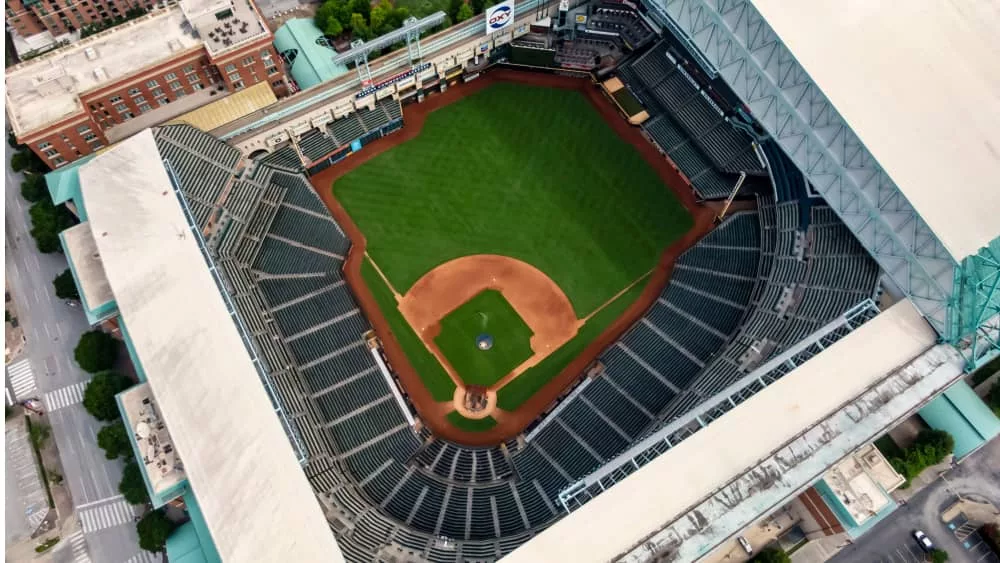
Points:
(471, 424)
(434, 376)
(486, 313)
(511, 396)
(521, 171)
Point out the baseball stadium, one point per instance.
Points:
(591, 281)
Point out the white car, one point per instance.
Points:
(925, 542)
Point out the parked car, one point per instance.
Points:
(925, 542)
(745, 545)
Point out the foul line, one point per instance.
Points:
(396, 294)
(616, 296)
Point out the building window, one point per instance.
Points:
(197, 86)
(234, 77)
(121, 108)
(248, 61)
(272, 70)
(127, 115)
(116, 100)
(230, 67)
(139, 99)
(238, 84)
(51, 152)
(176, 85)
(157, 92)
(89, 137)
(133, 92)
(44, 145)
(58, 161)
(181, 93)
(83, 129)
(265, 54)
(170, 76)
(145, 107)
(188, 69)
(278, 84)
(152, 84)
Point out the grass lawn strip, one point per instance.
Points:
(434, 376)
(511, 396)
(471, 424)
(486, 313)
(522, 171)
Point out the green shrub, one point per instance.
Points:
(132, 486)
(99, 395)
(33, 187)
(66, 286)
(771, 555)
(113, 439)
(96, 351)
(938, 556)
(930, 448)
(153, 530)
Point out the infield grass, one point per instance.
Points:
(434, 376)
(470, 424)
(486, 313)
(522, 171)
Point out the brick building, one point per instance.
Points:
(72, 101)
(59, 18)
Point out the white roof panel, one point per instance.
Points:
(919, 83)
(254, 495)
(678, 479)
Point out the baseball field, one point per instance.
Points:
(518, 217)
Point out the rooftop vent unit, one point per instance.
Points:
(91, 53)
(174, 45)
(100, 75)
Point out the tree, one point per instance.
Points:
(939, 556)
(929, 448)
(771, 555)
(153, 530)
(113, 439)
(464, 13)
(99, 395)
(33, 187)
(359, 27)
(453, 7)
(478, 6)
(993, 399)
(25, 160)
(65, 286)
(333, 27)
(47, 221)
(363, 7)
(132, 486)
(96, 351)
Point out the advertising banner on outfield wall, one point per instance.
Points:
(499, 16)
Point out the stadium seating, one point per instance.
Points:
(761, 281)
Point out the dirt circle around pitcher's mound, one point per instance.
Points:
(536, 298)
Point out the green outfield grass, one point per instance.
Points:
(436, 379)
(515, 393)
(471, 424)
(522, 171)
(491, 314)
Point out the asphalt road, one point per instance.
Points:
(52, 330)
(891, 541)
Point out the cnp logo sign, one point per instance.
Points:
(499, 17)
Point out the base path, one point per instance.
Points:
(509, 424)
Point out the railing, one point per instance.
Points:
(645, 451)
(290, 430)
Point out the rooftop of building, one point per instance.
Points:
(224, 24)
(917, 82)
(236, 455)
(89, 272)
(226, 109)
(312, 62)
(154, 447)
(46, 89)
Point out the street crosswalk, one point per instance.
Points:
(22, 379)
(65, 396)
(79, 546)
(144, 557)
(113, 513)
